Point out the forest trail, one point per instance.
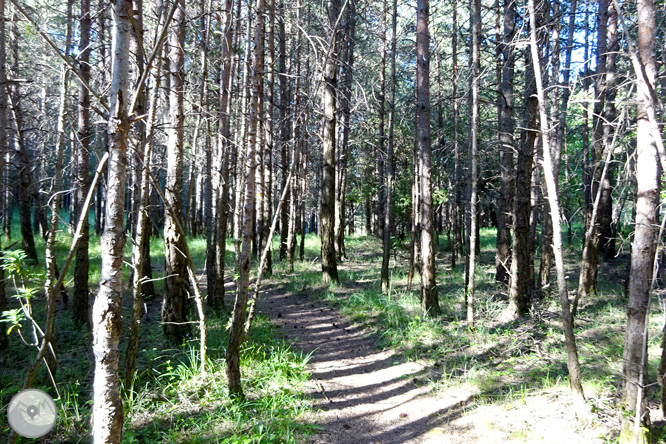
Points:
(363, 395)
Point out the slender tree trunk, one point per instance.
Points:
(221, 177)
(553, 98)
(81, 312)
(608, 228)
(304, 188)
(381, 114)
(587, 194)
(295, 185)
(50, 258)
(507, 146)
(3, 149)
(522, 271)
(107, 415)
(414, 243)
(645, 237)
(141, 237)
(347, 57)
(284, 131)
(388, 220)
(232, 356)
(475, 14)
(269, 137)
(429, 299)
(589, 265)
(327, 217)
(25, 182)
(458, 246)
(175, 303)
(553, 200)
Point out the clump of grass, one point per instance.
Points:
(170, 401)
(180, 405)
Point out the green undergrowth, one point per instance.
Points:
(170, 401)
(173, 402)
(181, 405)
(501, 363)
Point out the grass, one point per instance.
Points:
(179, 405)
(503, 364)
(506, 366)
(170, 400)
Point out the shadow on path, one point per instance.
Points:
(364, 395)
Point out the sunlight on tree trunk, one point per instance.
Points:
(429, 298)
(107, 415)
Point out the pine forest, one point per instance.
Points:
(333, 222)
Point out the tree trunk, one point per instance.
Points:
(25, 183)
(327, 212)
(216, 285)
(232, 356)
(457, 250)
(81, 312)
(52, 273)
(107, 415)
(295, 185)
(475, 25)
(506, 125)
(284, 131)
(381, 114)
(347, 57)
(589, 265)
(645, 236)
(140, 247)
(522, 271)
(553, 98)
(175, 303)
(553, 200)
(429, 298)
(388, 220)
(269, 137)
(3, 143)
(414, 242)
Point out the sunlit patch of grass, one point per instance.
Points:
(170, 401)
(180, 402)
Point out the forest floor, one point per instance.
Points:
(344, 363)
(366, 393)
(375, 379)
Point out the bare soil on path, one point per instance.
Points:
(363, 395)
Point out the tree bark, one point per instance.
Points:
(429, 298)
(294, 184)
(347, 57)
(388, 220)
(327, 211)
(457, 250)
(645, 238)
(175, 303)
(3, 147)
(589, 265)
(553, 200)
(141, 237)
(506, 125)
(25, 182)
(81, 312)
(522, 271)
(236, 332)
(284, 130)
(216, 285)
(107, 415)
(475, 31)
